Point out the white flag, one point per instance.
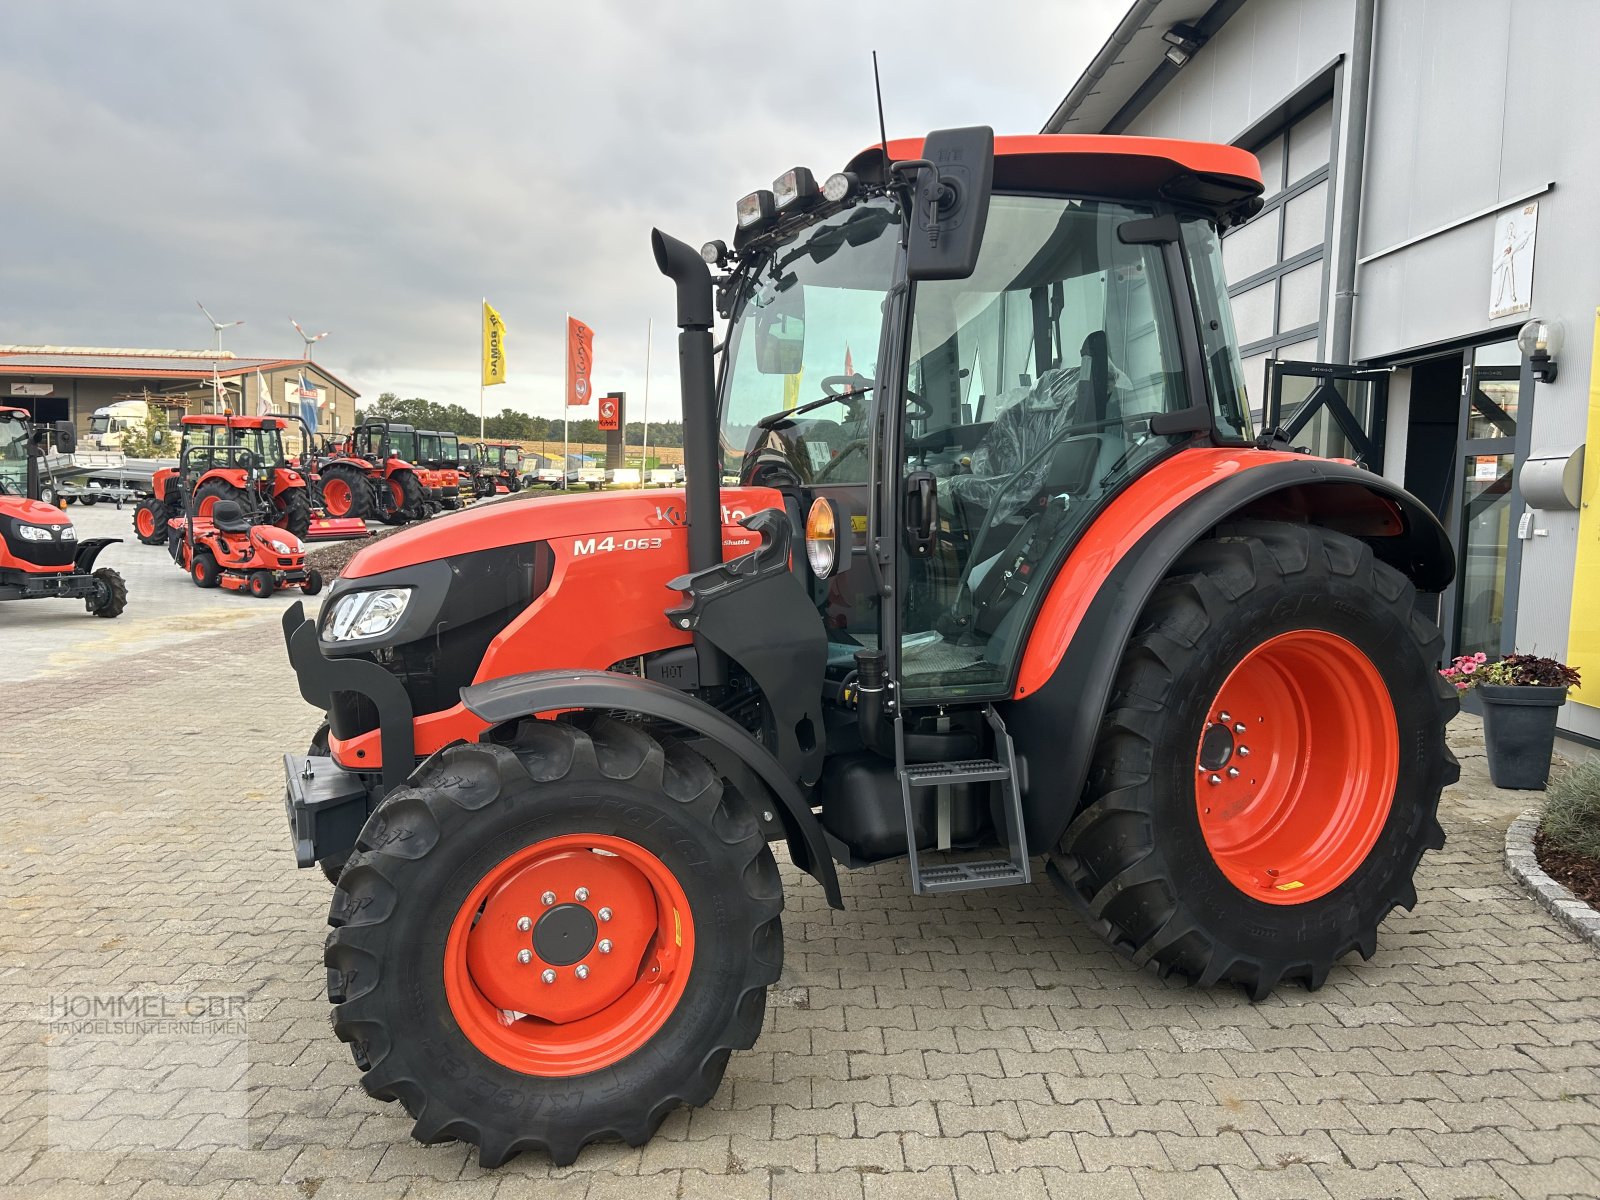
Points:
(263, 396)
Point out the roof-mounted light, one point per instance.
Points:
(794, 190)
(715, 252)
(755, 209)
(841, 185)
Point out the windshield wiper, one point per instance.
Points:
(771, 419)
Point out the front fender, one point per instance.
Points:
(286, 481)
(1089, 612)
(515, 696)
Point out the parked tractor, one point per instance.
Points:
(439, 454)
(40, 554)
(230, 458)
(377, 476)
(1012, 578)
(502, 464)
(475, 468)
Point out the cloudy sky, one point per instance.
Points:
(374, 167)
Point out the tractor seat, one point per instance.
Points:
(227, 516)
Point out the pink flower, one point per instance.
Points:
(1461, 687)
(1480, 656)
(1470, 668)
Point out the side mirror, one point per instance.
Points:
(780, 342)
(66, 434)
(158, 437)
(950, 203)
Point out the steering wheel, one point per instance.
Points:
(248, 460)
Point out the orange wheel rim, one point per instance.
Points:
(336, 497)
(1296, 767)
(569, 955)
(207, 503)
(144, 520)
(397, 494)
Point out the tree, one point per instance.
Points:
(140, 441)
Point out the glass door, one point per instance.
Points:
(1489, 505)
(1335, 411)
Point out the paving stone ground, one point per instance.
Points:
(977, 1046)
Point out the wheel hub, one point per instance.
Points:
(565, 935)
(1216, 746)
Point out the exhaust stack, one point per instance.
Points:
(702, 470)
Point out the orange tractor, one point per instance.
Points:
(227, 457)
(501, 466)
(1022, 587)
(440, 457)
(375, 474)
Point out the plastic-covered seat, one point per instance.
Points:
(227, 516)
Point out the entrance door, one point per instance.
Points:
(1337, 411)
(1488, 504)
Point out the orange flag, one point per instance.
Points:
(580, 361)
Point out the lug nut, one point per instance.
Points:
(547, 899)
(1225, 718)
(605, 946)
(1214, 780)
(524, 924)
(1239, 728)
(1243, 751)
(548, 975)
(604, 914)
(524, 956)
(582, 972)
(1233, 772)
(582, 893)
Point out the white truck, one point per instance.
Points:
(108, 424)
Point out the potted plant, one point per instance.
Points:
(1520, 694)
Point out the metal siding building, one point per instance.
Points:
(1474, 110)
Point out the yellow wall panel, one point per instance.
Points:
(1583, 641)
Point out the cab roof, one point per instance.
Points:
(7, 411)
(235, 422)
(1206, 175)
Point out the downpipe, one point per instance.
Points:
(702, 470)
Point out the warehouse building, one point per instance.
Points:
(1431, 190)
(69, 383)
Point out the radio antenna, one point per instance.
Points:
(883, 133)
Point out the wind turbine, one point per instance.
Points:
(218, 326)
(309, 339)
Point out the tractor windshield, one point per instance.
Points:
(428, 447)
(449, 447)
(13, 453)
(806, 329)
(403, 444)
(218, 446)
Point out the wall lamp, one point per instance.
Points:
(1182, 42)
(1541, 342)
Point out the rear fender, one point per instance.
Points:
(233, 476)
(501, 701)
(1088, 615)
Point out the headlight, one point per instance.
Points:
(34, 533)
(822, 537)
(368, 614)
(282, 547)
(69, 534)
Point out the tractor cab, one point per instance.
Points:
(381, 440)
(214, 442)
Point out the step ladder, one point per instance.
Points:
(979, 873)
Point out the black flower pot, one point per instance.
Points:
(1519, 731)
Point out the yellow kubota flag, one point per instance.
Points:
(791, 391)
(494, 347)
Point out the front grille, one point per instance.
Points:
(54, 553)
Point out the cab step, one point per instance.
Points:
(1013, 869)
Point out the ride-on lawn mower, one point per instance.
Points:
(235, 549)
(40, 554)
(233, 458)
(1025, 583)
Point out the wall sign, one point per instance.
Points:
(1511, 275)
(32, 389)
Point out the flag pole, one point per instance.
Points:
(644, 450)
(483, 305)
(566, 398)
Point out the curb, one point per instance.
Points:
(1552, 897)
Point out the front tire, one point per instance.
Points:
(150, 521)
(1269, 767)
(428, 917)
(294, 511)
(113, 597)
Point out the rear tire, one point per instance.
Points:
(204, 570)
(150, 521)
(1174, 869)
(207, 495)
(405, 499)
(294, 511)
(406, 905)
(113, 600)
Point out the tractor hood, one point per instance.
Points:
(34, 512)
(510, 522)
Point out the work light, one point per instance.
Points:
(715, 252)
(839, 186)
(822, 537)
(755, 209)
(796, 188)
